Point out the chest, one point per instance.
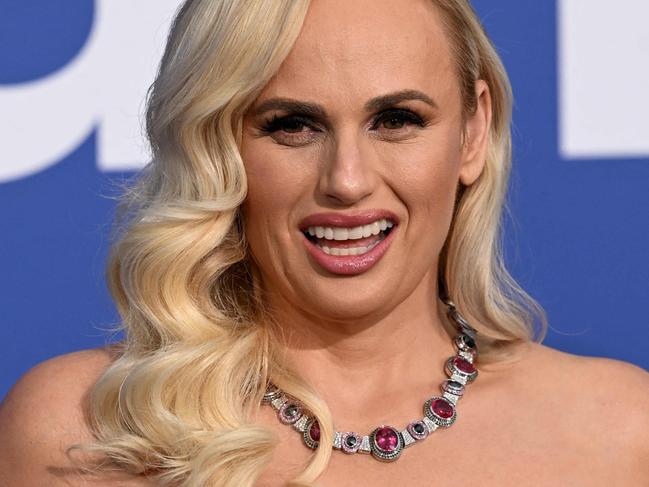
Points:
(504, 452)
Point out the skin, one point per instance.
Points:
(545, 419)
(347, 54)
(353, 159)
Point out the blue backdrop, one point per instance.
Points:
(577, 241)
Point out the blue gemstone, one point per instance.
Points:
(290, 411)
(468, 341)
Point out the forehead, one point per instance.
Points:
(363, 48)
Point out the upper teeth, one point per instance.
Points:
(352, 233)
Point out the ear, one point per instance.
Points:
(474, 152)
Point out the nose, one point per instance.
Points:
(348, 174)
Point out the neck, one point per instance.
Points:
(387, 355)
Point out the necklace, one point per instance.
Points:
(386, 443)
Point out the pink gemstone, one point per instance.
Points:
(442, 408)
(314, 431)
(386, 439)
(464, 365)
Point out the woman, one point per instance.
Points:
(285, 136)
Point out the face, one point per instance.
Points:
(363, 120)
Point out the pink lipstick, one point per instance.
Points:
(373, 246)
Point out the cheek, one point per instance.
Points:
(426, 180)
(276, 183)
(428, 173)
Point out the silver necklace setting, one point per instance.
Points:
(386, 443)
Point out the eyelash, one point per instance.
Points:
(277, 123)
(402, 114)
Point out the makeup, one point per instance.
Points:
(348, 244)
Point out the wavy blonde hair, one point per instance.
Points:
(176, 404)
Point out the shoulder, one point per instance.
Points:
(53, 386)
(603, 383)
(617, 392)
(603, 401)
(73, 370)
(43, 414)
(594, 376)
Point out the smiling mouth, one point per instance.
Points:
(344, 241)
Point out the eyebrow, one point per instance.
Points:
(313, 109)
(381, 102)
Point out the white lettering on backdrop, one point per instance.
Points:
(603, 78)
(603, 74)
(102, 88)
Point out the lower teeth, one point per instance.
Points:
(349, 250)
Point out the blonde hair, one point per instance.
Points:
(177, 403)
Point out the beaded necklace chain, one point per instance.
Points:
(386, 443)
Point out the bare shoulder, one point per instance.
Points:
(598, 380)
(602, 402)
(49, 396)
(592, 376)
(43, 414)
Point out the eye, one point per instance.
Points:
(396, 119)
(290, 129)
(394, 123)
(290, 125)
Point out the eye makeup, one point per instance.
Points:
(399, 115)
(290, 129)
(296, 128)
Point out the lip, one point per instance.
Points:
(350, 264)
(332, 219)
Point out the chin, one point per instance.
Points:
(337, 301)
